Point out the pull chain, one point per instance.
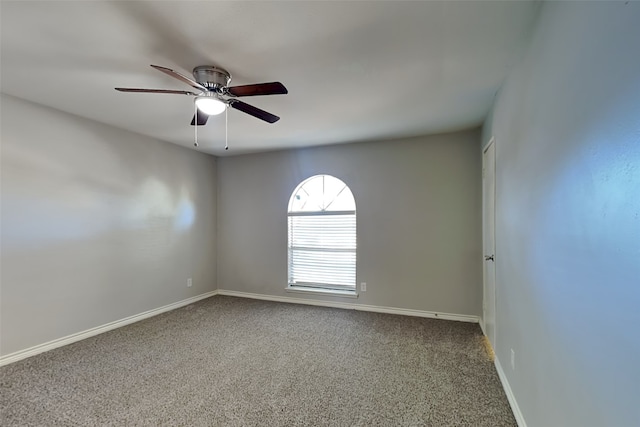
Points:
(226, 129)
(195, 123)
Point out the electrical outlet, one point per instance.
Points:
(513, 360)
(189, 282)
(363, 287)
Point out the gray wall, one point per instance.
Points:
(418, 211)
(567, 129)
(97, 224)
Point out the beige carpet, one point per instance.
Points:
(236, 362)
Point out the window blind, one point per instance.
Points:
(322, 249)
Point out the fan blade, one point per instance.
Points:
(177, 75)
(273, 88)
(202, 118)
(174, 92)
(253, 111)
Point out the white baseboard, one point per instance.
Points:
(481, 321)
(41, 348)
(352, 306)
(510, 397)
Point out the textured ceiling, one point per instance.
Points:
(355, 70)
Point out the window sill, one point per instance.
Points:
(318, 291)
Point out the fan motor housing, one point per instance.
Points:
(211, 77)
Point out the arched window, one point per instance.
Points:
(322, 235)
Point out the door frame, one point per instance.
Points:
(485, 290)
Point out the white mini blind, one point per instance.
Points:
(322, 250)
(322, 235)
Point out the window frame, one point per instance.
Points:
(319, 286)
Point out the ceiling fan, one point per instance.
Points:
(215, 95)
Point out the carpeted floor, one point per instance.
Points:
(228, 361)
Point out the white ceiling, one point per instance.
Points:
(355, 70)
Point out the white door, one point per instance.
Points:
(489, 241)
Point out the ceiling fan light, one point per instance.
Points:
(210, 105)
